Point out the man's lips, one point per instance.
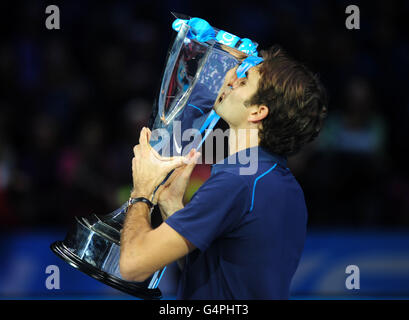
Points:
(221, 97)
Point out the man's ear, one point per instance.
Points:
(257, 113)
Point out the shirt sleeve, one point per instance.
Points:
(215, 209)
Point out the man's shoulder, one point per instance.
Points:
(229, 178)
(241, 174)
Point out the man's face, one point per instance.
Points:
(235, 91)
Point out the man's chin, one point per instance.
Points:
(216, 109)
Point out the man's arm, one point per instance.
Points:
(170, 195)
(165, 215)
(145, 250)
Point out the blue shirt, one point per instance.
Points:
(249, 231)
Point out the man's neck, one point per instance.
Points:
(241, 139)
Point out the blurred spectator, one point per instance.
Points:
(346, 180)
(6, 171)
(356, 138)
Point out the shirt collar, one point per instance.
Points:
(259, 153)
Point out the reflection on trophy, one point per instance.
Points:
(197, 62)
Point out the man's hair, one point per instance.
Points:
(296, 100)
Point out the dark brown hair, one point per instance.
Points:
(296, 100)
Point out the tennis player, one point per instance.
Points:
(241, 236)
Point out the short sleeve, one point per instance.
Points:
(215, 209)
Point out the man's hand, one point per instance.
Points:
(143, 249)
(170, 195)
(149, 168)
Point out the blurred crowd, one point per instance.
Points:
(73, 101)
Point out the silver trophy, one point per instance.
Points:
(197, 62)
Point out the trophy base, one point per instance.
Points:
(128, 287)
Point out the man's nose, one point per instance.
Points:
(232, 78)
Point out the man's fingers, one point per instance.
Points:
(136, 150)
(148, 134)
(176, 173)
(157, 194)
(133, 164)
(156, 154)
(191, 154)
(145, 135)
(195, 158)
(176, 162)
(144, 140)
(192, 157)
(167, 159)
(192, 163)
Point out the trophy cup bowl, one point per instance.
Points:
(193, 75)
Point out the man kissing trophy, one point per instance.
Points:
(197, 62)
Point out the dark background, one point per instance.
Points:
(73, 100)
